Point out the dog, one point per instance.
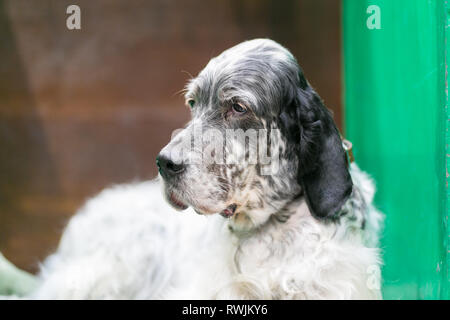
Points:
(299, 225)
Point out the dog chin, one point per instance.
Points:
(175, 201)
(203, 210)
(180, 203)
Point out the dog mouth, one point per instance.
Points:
(176, 202)
(229, 211)
(179, 204)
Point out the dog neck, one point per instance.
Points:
(242, 226)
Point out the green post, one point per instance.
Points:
(395, 99)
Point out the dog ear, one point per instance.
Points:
(323, 167)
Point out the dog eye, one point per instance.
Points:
(238, 108)
(191, 102)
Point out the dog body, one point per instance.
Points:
(127, 243)
(299, 226)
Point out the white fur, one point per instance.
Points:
(127, 243)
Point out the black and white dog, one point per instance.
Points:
(298, 224)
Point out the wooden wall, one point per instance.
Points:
(81, 110)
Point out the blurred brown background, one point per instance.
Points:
(84, 109)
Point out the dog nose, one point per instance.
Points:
(167, 168)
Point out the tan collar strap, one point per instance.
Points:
(348, 147)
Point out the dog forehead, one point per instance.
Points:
(259, 65)
(253, 52)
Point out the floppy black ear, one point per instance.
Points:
(323, 168)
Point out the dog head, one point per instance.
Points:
(259, 138)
